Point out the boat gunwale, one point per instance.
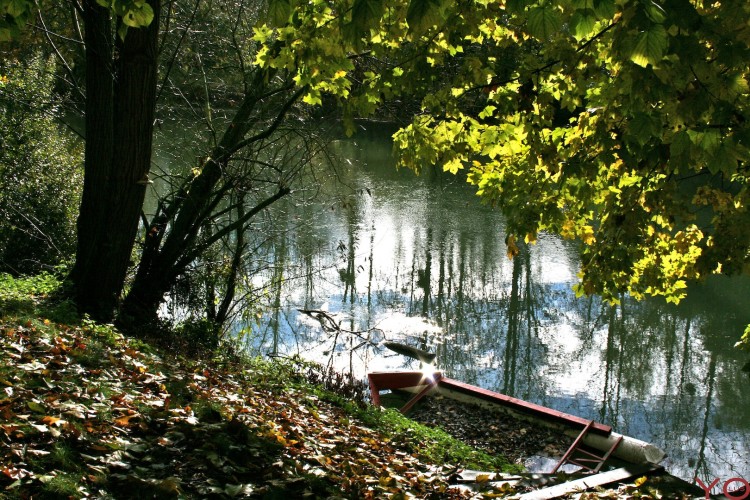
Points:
(418, 380)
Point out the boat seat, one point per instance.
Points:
(583, 458)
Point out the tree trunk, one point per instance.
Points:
(120, 104)
(171, 244)
(98, 156)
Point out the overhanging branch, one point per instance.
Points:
(268, 131)
(203, 246)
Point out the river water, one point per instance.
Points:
(419, 260)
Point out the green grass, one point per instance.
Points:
(431, 444)
(62, 486)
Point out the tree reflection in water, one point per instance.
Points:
(423, 261)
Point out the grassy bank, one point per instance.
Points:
(88, 412)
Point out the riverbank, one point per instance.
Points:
(90, 413)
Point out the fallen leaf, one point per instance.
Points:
(34, 406)
(15, 473)
(53, 421)
(125, 421)
(170, 485)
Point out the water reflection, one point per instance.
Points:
(420, 261)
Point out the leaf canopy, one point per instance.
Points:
(622, 124)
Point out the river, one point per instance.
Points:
(419, 260)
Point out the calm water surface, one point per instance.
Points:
(420, 261)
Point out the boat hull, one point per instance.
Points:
(601, 437)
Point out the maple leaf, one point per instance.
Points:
(53, 421)
(125, 421)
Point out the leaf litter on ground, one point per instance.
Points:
(86, 412)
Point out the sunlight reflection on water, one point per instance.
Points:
(420, 261)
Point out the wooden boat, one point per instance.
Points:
(591, 434)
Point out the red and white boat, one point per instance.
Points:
(588, 434)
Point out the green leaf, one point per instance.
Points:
(650, 46)
(122, 31)
(6, 34)
(279, 12)
(423, 14)
(17, 8)
(544, 20)
(605, 9)
(655, 12)
(724, 159)
(366, 14)
(709, 140)
(36, 407)
(516, 6)
(312, 98)
(733, 85)
(583, 23)
(680, 144)
(643, 128)
(139, 16)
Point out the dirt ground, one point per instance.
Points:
(497, 433)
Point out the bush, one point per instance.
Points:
(41, 176)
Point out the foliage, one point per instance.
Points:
(13, 17)
(27, 295)
(15, 288)
(622, 124)
(201, 332)
(40, 174)
(134, 13)
(744, 342)
(15, 13)
(342, 384)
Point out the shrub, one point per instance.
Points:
(41, 176)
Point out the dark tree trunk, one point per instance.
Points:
(120, 104)
(171, 244)
(221, 316)
(98, 157)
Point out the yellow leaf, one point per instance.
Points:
(53, 421)
(587, 235)
(453, 166)
(124, 421)
(640, 481)
(512, 247)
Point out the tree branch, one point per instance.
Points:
(200, 248)
(268, 131)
